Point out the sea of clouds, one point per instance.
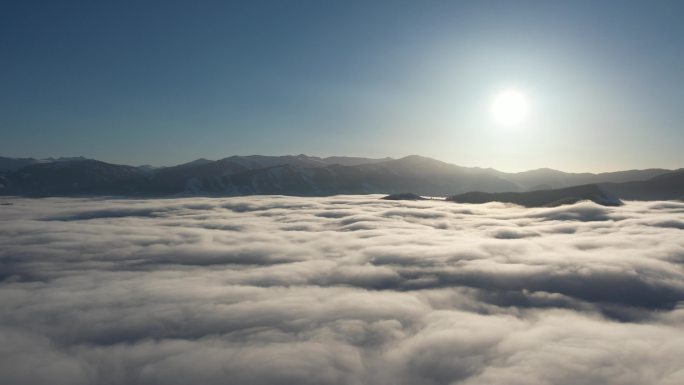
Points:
(339, 290)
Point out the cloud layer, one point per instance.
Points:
(339, 290)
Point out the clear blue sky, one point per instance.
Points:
(164, 82)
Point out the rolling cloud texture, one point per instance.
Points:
(339, 290)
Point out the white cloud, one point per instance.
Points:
(339, 290)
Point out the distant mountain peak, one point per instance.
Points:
(418, 157)
(67, 159)
(199, 161)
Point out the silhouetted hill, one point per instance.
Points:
(542, 198)
(12, 164)
(545, 178)
(403, 197)
(426, 176)
(665, 186)
(75, 177)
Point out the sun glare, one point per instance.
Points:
(509, 107)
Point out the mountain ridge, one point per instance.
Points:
(543, 198)
(296, 175)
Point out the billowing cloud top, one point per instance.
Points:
(339, 290)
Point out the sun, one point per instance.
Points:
(510, 107)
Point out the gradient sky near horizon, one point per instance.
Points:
(165, 82)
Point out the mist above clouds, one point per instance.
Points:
(339, 290)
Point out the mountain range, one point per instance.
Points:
(311, 176)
